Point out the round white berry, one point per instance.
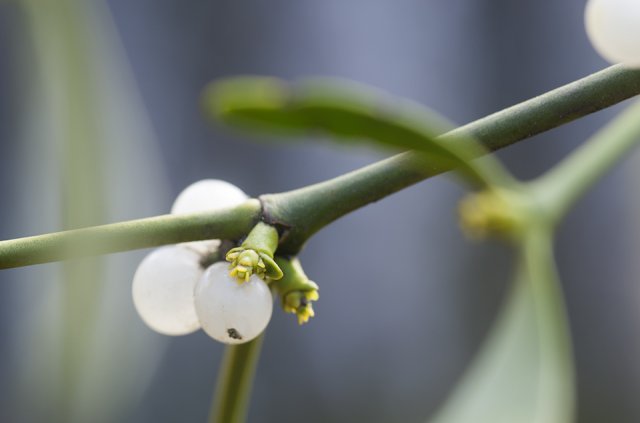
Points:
(203, 248)
(163, 290)
(613, 26)
(229, 311)
(208, 195)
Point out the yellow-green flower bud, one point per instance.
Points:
(255, 255)
(299, 302)
(296, 290)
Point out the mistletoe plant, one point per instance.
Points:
(232, 254)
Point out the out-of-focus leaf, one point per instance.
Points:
(84, 359)
(524, 371)
(346, 111)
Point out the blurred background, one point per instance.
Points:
(100, 122)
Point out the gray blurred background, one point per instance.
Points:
(405, 299)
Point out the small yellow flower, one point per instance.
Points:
(299, 302)
(255, 255)
(295, 289)
(246, 262)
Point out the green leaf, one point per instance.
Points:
(349, 112)
(524, 372)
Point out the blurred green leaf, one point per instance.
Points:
(79, 358)
(346, 111)
(524, 371)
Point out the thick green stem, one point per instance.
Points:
(304, 211)
(233, 390)
(231, 223)
(561, 187)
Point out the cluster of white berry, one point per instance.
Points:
(175, 295)
(613, 26)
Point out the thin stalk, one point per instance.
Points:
(562, 186)
(304, 211)
(232, 223)
(233, 390)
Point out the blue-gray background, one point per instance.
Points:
(405, 299)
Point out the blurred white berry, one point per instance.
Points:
(163, 290)
(230, 312)
(613, 26)
(208, 195)
(202, 247)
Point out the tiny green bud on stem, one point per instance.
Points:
(295, 289)
(255, 255)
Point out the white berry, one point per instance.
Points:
(613, 26)
(203, 248)
(208, 195)
(229, 311)
(163, 290)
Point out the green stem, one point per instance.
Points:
(231, 223)
(562, 186)
(304, 211)
(233, 389)
(263, 238)
(294, 278)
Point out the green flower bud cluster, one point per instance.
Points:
(255, 255)
(284, 275)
